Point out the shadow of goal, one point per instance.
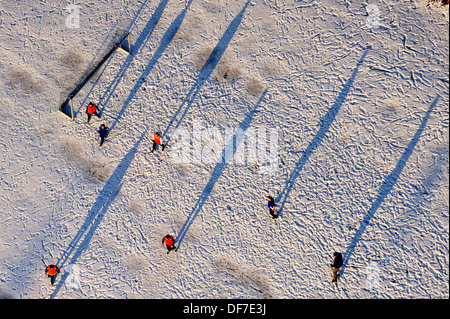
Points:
(120, 40)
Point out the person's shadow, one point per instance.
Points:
(217, 172)
(325, 124)
(165, 41)
(140, 42)
(95, 215)
(387, 186)
(208, 68)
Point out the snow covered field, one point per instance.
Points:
(357, 91)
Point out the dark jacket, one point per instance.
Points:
(271, 204)
(338, 261)
(103, 131)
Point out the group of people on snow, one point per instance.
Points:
(168, 240)
(92, 109)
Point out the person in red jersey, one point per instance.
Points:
(157, 140)
(170, 243)
(51, 271)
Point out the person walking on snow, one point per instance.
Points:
(336, 265)
(103, 131)
(169, 241)
(271, 205)
(157, 140)
(51, 272)
(91, 110)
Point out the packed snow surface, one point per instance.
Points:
(356, 92)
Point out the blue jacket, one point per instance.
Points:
(271, 204)
(103, 131)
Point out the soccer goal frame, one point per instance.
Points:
(124, 43)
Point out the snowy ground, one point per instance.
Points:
(360, 104)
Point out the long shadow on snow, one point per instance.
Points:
(217, 172)
(387, 185)
(140, 41)
(325, 126)
(96, 214)
(165, 41)
(209, 66)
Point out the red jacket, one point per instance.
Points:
(169, 241)
(157, 138)
(52, 270)
(91, 108)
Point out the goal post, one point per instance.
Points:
(120, 40)
(67, 108)
(125, 44)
